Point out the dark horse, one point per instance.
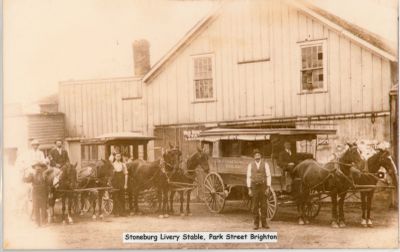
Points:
(63, 189)
(334, 178)
(369, 176)
(98, 176)
(186, 176)
(144, 175)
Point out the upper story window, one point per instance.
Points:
(203, 77)
(313, 67)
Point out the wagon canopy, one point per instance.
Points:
(217, 134)
(116, 136)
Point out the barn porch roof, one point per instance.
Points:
(258, 134)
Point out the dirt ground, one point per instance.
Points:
(21, 233)
(85, 233)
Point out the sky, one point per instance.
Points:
(47, 41)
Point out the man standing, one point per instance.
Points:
(58, 155)
(31, 157)
(258, 184)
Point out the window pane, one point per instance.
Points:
(203, 77)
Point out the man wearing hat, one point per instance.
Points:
(39, 191)
(58, 155)
(31, 157)
(286, 163)
(258, 184)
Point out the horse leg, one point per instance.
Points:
(159, 201)
(94, 204)
(63, 208)
(363, 209)
(334, 222)
(181, 200)
(100, 195)
(370, 195)
(165, 202)
(188, 193)
(171, 202)
(300, 213)
(70, 204)
(135, 202)
(342, 223)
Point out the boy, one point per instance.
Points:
(39, 191)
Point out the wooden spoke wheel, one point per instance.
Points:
(313, 206)
(272, 204)
(214, 192)
(107, 203)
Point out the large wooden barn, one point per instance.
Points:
(261, 63)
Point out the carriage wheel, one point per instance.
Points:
(214, 192)
(107, 203)
(313, 206)
(272, 204)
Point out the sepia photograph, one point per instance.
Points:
(200, 124)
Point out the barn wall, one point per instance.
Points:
(46, 128)
(95, 107)
(268, 31)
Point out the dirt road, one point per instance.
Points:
(86, 233)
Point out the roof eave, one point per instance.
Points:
(343, 31)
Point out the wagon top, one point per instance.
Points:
(259, 134)
(117, 136)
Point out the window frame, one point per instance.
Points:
(319, 42)
(193, 80)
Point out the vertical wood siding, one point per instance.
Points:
(95, 107)
(357, 80)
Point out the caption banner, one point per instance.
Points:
(199, 237)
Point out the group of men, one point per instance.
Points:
(33, 164)
(259, 182)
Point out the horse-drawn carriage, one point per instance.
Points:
(131, 145)
(231, 152)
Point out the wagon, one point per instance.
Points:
(130, 144)
(231, 151)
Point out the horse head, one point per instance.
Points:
(384, 159)
(172, 158)
(351, 157)
(200, 158)
(68, 175)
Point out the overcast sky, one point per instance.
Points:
(47, 41)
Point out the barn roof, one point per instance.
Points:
(363, 37)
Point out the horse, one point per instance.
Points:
(335, 178)
(367, 176)
(98, 176)
(144, 175)
(187, 176)
(62, 189)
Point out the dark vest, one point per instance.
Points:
(258, 176)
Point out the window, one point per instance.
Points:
(312, 67)
(203, 77)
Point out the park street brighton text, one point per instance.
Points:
(199, 237)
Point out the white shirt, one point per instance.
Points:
(267, 173)
(30, 157)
